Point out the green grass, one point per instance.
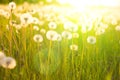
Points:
(53, 60)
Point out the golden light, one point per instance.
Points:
(87, 3)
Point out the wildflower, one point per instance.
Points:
(12, 5)
(18, 27)
(67, 25)
(117, 28)
(2, 55)
(86, 27)
(52, 25)
(73, 28)
(51, 35)
(26, 18)
(59, 37)
(8, 62)
(35, 20)
(36, 28)
(91, 40)
(38, 38)
(74, 47)
(43, 31)
(67, 35)
(100, 31)
(75, 35)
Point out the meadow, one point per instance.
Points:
(53, 42)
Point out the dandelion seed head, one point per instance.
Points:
(26, 18)
(8, 62)
(100, 31)
(51, 35)
(52, 25)
(91, 40)
(12, 5)
(35, 20)
(75, 35)
(74, 47)
(43, 31)
(117, 28)
(67, 35)
(38, 38)
(59, 37)
(36, 28)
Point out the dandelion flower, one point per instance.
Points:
(8, 62)
(35, 20)
(74, 47)
(36, 28)
(73, 28)
(17, 26)
(67, 34)
(52, 25)
(2, 55)
(43, 31)
(70, 26)
(100, 31)
(75, 35)
(51, 35)
(91, 40)
(86, 28)
(117, 28)
(38, 38)
(59, 37)
(26, 18)
(12, 5)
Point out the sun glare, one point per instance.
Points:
(85, 3)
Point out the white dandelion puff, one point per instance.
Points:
(38, 38)
(73, 28)
(100, 31)
(86, 27)
(43, 31)
(12, 5)
(59, 37)
(51, 35)
(91, 40)
(74, 47)
(8, 62)
(75, 35)
(35, 20)
(67, 35)
(36, 28)
(18, 27)
(26, 18)
(52, 25)
(117, 28)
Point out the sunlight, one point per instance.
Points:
(85, 3)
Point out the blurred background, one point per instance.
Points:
(21, 1)
(88, 2)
